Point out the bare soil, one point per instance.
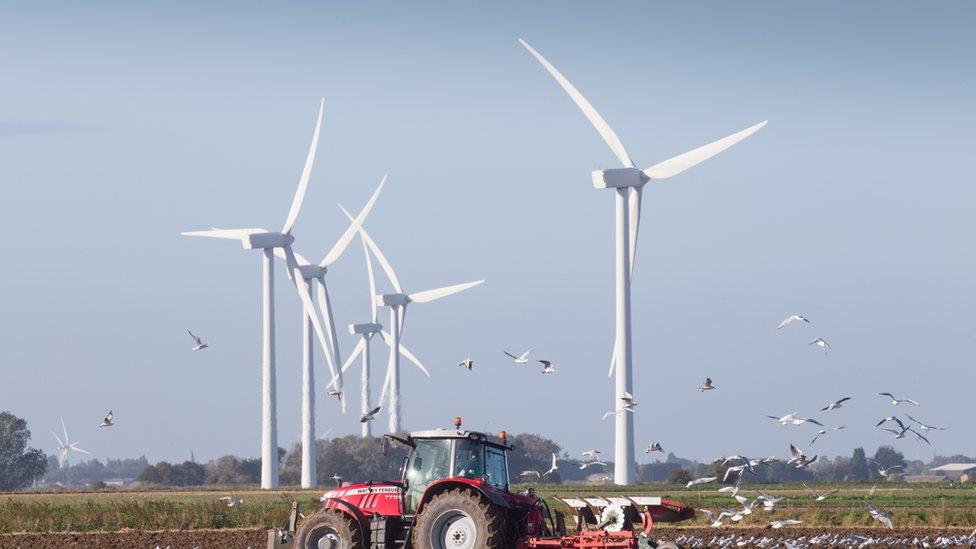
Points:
(255, 538)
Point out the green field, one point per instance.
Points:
(910, 505)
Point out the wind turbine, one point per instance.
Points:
(267, 241)
(397, 302)
(628, 183)
(308, 274)
(65, 448)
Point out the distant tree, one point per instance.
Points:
(679, 476)
(780, 471)
(19, 465)
(859, 469)
(836, 471)
(167, 474)
(531, 453)
(656, 471)
(97, 485)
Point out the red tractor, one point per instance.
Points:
(453, 493)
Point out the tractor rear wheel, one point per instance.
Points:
(329, 530)
(459, 519)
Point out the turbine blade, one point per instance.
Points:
(296, 202)
(606, 132)
(431, 295)
(312, 314)
(325, 304)
(387, 268)
(299, 258)
(355, 353)
(232, 234)
(76, 449)
(350, 232)
(403, 351)
(634, 215)
(386, 386)
(65, 429)
(372, 280)
(613, 359)
(680, 163)
(57, 439)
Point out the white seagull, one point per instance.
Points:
(790, 319)
(547, 367)
(530, 474)
(610, 413)
(592, 463)
(109, 420)
(553, 468)
(880, 516)
(798, 459)
(592, 454)
(835, 404)
(198, 344)
(897, 401)
(628, 402)
(370, 415)
(819, 496)
(467, 363)
(793, 419)
(654, 447)
(231, 501)
(337, 478)
(777, 524)
(702, 480)
(522, 358)
(823, 432)
(822, 343)
(890, 418)
(925, 427)
(706, 385)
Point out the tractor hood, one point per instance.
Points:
(368, 497)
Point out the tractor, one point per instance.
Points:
(453, 493)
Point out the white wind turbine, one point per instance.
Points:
(268, 241)
(397, 302)
(311, 273)
(628, 183)
(65, 448)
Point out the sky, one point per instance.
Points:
(123, 124)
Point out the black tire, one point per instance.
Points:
(329, 530)
(459, 519)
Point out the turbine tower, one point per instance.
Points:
(628, 183)
(65, 448)
(310, 274)
(397, 302)
(267, 241)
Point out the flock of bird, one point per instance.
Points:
(826, 540)
(547, 367)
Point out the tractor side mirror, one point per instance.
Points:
(385, 446)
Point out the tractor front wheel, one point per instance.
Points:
(329, 530)
(459, 519)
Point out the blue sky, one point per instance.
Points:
(122, 125)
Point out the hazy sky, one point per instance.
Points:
(121, 127)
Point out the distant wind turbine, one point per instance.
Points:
(65, 448)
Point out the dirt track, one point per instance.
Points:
(257, 538)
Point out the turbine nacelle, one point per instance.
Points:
(312, 272)
(365, 329)
(266, 240)
(392, 300)
(616, 178)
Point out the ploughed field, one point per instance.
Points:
(197, 518)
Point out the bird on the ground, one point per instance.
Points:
(592, 463)
(522, 358)
(547, 367)
(897, 401)
(925, 427)
(109, 420)
(530, 474)
(628, 402)
(370, 415)
(198, 344)
(337, 478)
(777, 524)
(702, 480)
(790, 319)
(793, 419)
(553, 468)
(231, 501)
(890, 418)
(823, 432)
(819, 496)
(592, 454)
(467, 363)
(880, 516)
(822, 343)
(835, 404)
(798, 459)
(706, 385)
(654, 447)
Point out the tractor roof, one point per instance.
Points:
(460, 433)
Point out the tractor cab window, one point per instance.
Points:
(496, 467)
(469, 459)
(429, 462)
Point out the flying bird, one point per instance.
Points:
(522, 358)
(611, 413)
(716, 520)
(547, 367)
(925, 427)
(654, 447)
(835, 404)
(777, 524)
(592, 463)
(231, 501)
(466, 363)
(823, 432)
(819, 496)
(890, 418)
(798, 459)
(592, 454)
(880, 516)
(335, 393)
(702, 480)
(919, 436)
(109, 420)
(793, 419)
(370, 415)
(198, 344)
(530, 474)
(791, 319)
(337, 478)
(553, 468)
(822, 343)
(627, 402)
(897, 401)
(706, 385)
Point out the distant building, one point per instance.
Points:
(118, 482)
(953, 471)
